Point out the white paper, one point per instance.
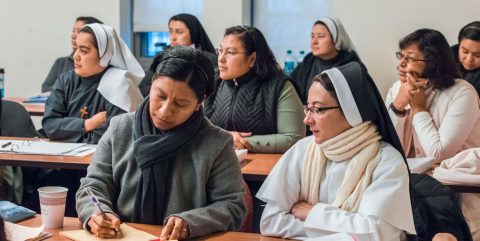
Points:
(42, 147)
(420, 164)
(17, 232)
(333, 237)
(241, 154)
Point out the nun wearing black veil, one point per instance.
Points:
(185, 30)
(350, 177)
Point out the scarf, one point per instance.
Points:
(155, 152)
(360, 145)
(409, 136)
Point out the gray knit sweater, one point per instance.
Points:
(206, 189)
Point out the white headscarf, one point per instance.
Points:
(339, 35)
(119, 85)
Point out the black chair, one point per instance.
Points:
(16, 121)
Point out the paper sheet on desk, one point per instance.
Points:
(42, 147)
(129, 234)
(241, 154)
(17, 232)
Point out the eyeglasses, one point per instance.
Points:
(410, 59)
(228, 53)
(15, 146)
(317, 110)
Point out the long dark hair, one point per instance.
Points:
(88, 20)
(198, 35)
(188, 65)
(440, 66)
(470, 31)
(253, 41)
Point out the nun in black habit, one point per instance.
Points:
(103, 84)
(331, 46)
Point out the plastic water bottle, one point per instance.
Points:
(289, 63)
(2, 82)
(301, 55)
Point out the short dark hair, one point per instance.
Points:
(326, 82)
(90, 31)
(88, 20)
(440, 66)
(470, 31)
(188, 65)
(253, 41)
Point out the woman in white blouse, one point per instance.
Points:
(350, 176)
(435, 113)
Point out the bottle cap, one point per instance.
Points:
(2, 71)
(289, 51)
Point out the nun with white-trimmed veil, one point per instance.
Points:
(103, 84)
(330, 46)
(350, 176)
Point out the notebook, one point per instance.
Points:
(129, 234)
(41, 147)
(11, 212)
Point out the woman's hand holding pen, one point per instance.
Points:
(103, 228)
(175, 229)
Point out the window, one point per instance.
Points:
(151, 43)
(287, 24)
(153, 15)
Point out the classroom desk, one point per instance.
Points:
(35, 109)
(256, 167)
(44, 161)
(74, 224)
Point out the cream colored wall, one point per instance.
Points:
(221, 14)
(34, 33)
(376, 26)
(33, 36)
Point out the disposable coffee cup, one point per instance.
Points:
(52, 205)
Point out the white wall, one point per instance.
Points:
(221, 14)
(376, 26)
(35, 33)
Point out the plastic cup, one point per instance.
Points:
(52, 205)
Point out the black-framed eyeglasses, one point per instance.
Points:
(410, 59)
(317, 110)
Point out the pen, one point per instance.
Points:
(6, 144)
(95, 202)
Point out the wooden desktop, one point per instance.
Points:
(74, 224)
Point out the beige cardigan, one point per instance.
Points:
(451, 125)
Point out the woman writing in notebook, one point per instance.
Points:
(166, 164)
